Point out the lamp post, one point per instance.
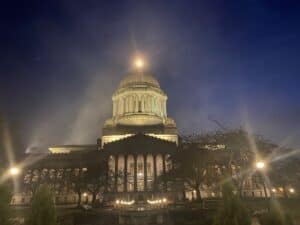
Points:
(260, 166)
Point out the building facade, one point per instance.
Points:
(129, 163)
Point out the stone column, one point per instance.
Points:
(135, 173)
(164, 171)
(114, 108)
(120, 107)
(136, 103)
(125, 104)
(145, 172)
(151, 104)
(143, 104)
(155, 171)
(125, 173)
(116, 173)
(106, 174)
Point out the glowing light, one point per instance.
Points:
(123, 202)
(14, 171)
(157, 201)
(281, 189)
(260, 165)
(273, 190)
(292, 190)
(84, 194)
(140, 174)
(139, 63)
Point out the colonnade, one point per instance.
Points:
(135, 172)
(139, 104)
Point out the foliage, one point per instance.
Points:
(241, 147)
(42, 208)
(231, 210)
(96, 180)
(190, 168)
(276, 216)
(279, 170)
(5, 211)
(78, 180)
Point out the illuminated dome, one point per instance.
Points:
(139, 106)
(138, 78)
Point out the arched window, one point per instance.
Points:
(140, 173)
(150, 171)
(130, 173)
(121, 166)
(159, 164)
(111, 172)
(140, 106)
(124, 105)
(154, 104)
(168, 163)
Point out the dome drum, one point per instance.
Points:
(140, 119)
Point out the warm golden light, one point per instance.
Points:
(281, 189)
(273, 190)
(84, 194)
(292, 190)
(157, 201)
(260, 165)
(139, 63)
(14, 171)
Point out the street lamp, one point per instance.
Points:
(260, 165)
(14, 171)
(292, 190)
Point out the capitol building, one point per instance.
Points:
(128, 163)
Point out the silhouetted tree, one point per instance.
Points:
(5, 211)
(276, 216)
(42, 208)
(96, 178)
(190, 168)
(241, 148)
(231, 210)
(78, 181)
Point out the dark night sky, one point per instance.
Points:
(234, 61)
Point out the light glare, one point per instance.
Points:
(139, 63)
(14, 171)
(260, 165)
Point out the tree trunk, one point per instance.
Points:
(198, 194)
(94, 198)
(265, 189)
(240, 187)
(79, 198)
